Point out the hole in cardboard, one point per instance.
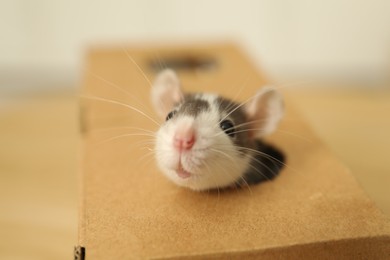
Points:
(184, 63)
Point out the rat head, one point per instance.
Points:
(206, 140)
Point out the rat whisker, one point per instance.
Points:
(250, 157)
(105, 129)
(161, 62)
(145, 144)
(241, 131)
(238, 126)
(257, 152)
(121, 104)
(221, 166)
(270, 157)
(262, 163)
(236, 184)
(129, 94)
(136, 64)
(122, 136)
(223, 153)
(294, 134)
(276, 130)
(237, 107)
(250, 123)
(146, 155)
(254, 168)
(243, 86)
(215, 184)
(145, 160)
(258, 171)
(243, 183)
(232, 104)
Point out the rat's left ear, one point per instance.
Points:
(265, 111)
(166, 92)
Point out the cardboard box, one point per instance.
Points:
(313, 209)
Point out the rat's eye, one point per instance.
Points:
(170, 115)
(228, 127)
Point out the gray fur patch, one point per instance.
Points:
(193, 106)
(238, 116)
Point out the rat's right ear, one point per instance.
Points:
(166, 92)
(264, 111)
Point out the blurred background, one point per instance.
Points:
(341, 47)
(43, 42)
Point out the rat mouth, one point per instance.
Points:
(182, 173)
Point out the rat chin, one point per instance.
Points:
(183, 173)
(200, 181)
(182, 178)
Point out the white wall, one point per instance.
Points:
(45, 39)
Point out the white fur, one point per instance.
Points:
(211, 163)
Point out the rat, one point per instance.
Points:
(210, 142)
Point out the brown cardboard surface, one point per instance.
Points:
(129, 210)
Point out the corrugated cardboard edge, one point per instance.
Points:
(79, 253)
(79, 250)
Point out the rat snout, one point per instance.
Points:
(184, 140)
(184, 137)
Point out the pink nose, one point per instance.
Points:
(184, 139)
